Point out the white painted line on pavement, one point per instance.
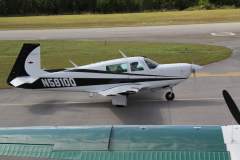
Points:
(223, 34)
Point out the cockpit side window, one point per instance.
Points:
(117, 68)
(136, 66)
(150, 63)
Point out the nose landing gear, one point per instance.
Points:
(170, 96)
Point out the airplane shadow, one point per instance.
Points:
(53, 106)
(136, 113)
(196, 103)
(157, 112)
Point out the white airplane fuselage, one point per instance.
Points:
(165, 75)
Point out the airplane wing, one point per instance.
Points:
(129, 89)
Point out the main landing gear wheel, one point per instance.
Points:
(120, 106)
(170, 96)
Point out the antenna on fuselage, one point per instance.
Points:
(74, 64)
(122, 53)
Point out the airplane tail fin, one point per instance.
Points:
(27, 63)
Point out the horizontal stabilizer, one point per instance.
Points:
(21, 80)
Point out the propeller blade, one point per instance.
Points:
(194, 73)
(195, 68)
(232, 106)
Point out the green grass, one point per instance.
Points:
(113, 20)
(56, 54)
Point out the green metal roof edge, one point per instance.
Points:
(122, 153)
(205, 138)
(45, 151)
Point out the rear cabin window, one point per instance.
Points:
(117, 68)
(136, 66)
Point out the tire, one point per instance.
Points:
(120, 106)
(170, 96)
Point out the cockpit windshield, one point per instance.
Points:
(150, 63)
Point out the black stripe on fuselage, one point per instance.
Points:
(94, 81)
(107, 72)
(54, 70)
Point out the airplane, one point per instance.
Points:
(117, 78)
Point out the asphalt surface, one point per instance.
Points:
(199, 100)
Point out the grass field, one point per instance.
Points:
(113, 20)
(56, 54)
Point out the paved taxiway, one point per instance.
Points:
(198, 101)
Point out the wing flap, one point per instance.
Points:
(121, 90)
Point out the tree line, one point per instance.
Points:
(39, 7)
